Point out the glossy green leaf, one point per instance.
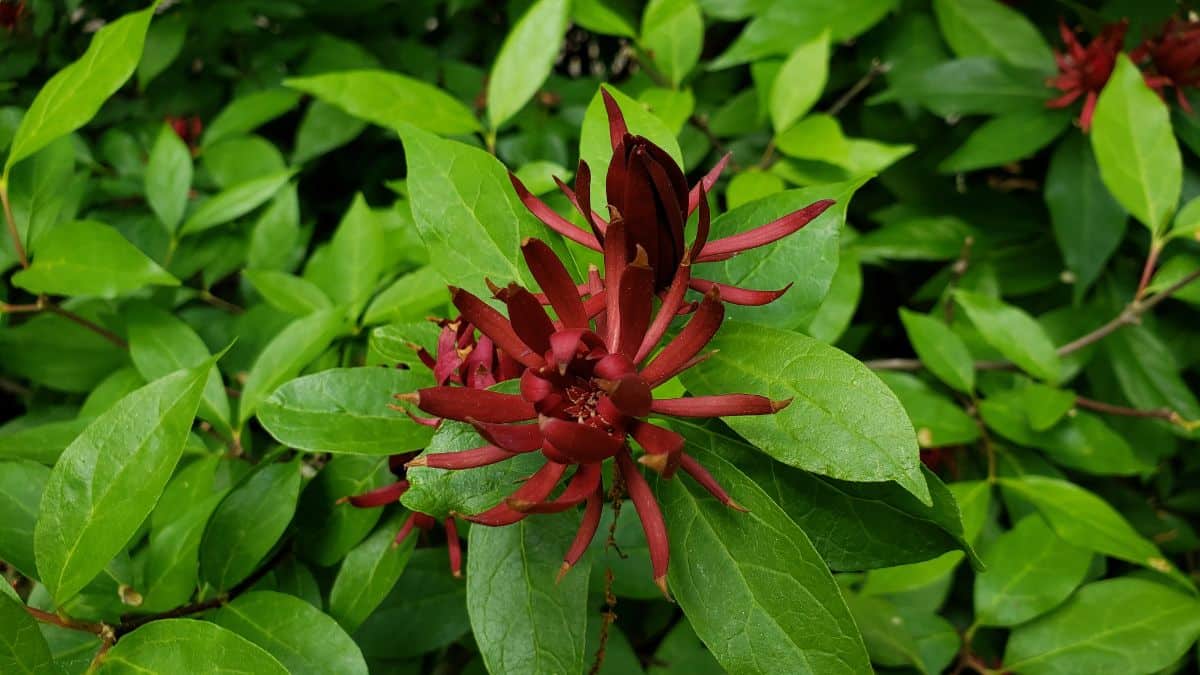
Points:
(390, 100)
(237, 159)
(888, 640)
(1013, 333)
(939, 420)
(59, 353)
(523, 621)
(412, 297)
(790, 615)
(164, 41)
(172, 570)
(990, 28)
(197, 648)
(74, 95)
(1030, 571)
(235, 202)
(598, 16)
(595, 145)
(832, 317)
(784, 23)
(325, 127)
(673, 33)
(331, 525)
(169, 177)
(303, 639)
(42, 443)
(293, 348)
(345, 410)
(975, 86)
(752, 185)
(357, 251)
(276, 233)
(1138, 157)
(843, 422)
(940, 349)
(287, 292)
(938, 238)
(108, 480)
(368, 573)
(21, 486)
(248, 523)
(88, 258)
(1007, 138)
(799, 83)
(1148, 373)
(1088, 223)
(1125, 625)
(22, 647)
(526, 58)
(247, 113)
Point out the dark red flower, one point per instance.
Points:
(1174, 58)
(188, 129)
(1083, 71)
(588, 388)
(11, 14)
(647, 190)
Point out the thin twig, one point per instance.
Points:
(220, 303)
(88, 324)
(1148, 269)
(957, 270)
(615, 493)
(6, 308)
(12, 223)
(877, 68)
(1124, 411)
(701, 123)
(15, 388)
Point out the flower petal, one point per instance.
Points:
(556, 283)
(587, 530)
(551, 218)
(460, 403)
(463, 459)
(694, 336)
(671, 303)
(529, 321)
(706, 480)
(721, 249)
(735, 295)
(454, 546)
(580, 487)
(663, 447)
(494, 325)
(651, 517)
(706, 183)
(510, 437)
(616, 119)
(535, 489)
(580, 442)
(635, 302)
(381, 496)
(721, 405)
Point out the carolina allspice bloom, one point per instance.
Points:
(11, 14)
(647, 190)
(1174, 58)
(587, 389)
(1083, 71)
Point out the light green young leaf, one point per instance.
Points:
(1013, 333)
(197, 648)
(939, 420)
(358, 253)
(74, 95)
(305, 640)
(940, 349)
(247, 113)
(282, 359)
(752, 185)
(324, 127)
(247, 524)
(287, 292)
(842, 422)
(785, 23)
(989, 28)
(108, 480)
(390, 100)
(1030, 571)
(412, 297)
(169, 177)
(598, 16)
(673, 33)
(526, 58)
(88, 258)
(1139, 159)
(799, 83)
(368, 573)
(235, 202)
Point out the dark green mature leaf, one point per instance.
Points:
(854, 526)
(164, 41)
(1088, 223)
(74, 95)
(595, 145)
(832, 317)
(345, 410)
(1138, 157)
(246, 525)
(331, 526)
(390, 100)
(1148, 372)
(1125, 625)
(799, 83)
(369, 572)
(938, 238)
(247, 113)
(673, 33)
(108, 480)
(682, 652)
(21, 486)
(1006, 139)
(975, 86)
(197, 648)
(293, 348)
(989, 28)
(938, 419)
(785, 23)
(169, 177)
(526, 58)
(303, 639)
(1013, 333)
(523, 621)
(235, 202)
(173, 556)
(412, 297)
(806, 260)
(22, 647)
(357, 254)
(788, 614)
(888, 640)
(941, 350)
(88, 258)
(1087, 521)
(843, 422)
(160, 343)
(287, 292)
(42, 443)
(325, 127)
(59, 353)
(1030, 571)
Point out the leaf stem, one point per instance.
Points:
(88, 324)
(220, 303)
(877, 68)
(12, 223)
(1148, 268)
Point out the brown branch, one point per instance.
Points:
(12, 223)
(1123, 411)
(6, 308)
(615, 493)
(877, 68)
(1148, 269)
(88, 324)
(220, 303)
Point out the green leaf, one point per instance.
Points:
(74, 95)
(235, 202)
(173, 556)
(237, 159)
(1087, 521)
(887, 639)
(21, 487)
(990, 28)
(799, 83)
(325, 127)
(1013, 333)
(785, 23)
(673, 33)
(160, 343)
(1148, 373)
(1125, 625)
(412, 297)
(276, 234)
(345, 410)
(42, 443)
(303, 639)
(331, 526)
(1135, 148)
(788, 614)
(523, 621)
(390, 100)
(287, 292)
(806, 260)
(164, 41)
(22, 647)
(85, 257)
(169, 177)
(108, 480)
(939, 421)
(526, 58)
(940, 349)
(854, 526)
(1088, 223)
(1030, 571)
(974, 86)
(247, 113)
(59, 353)
(196, 647)
(937, 238)
(1007, 138)
(843, 422)
(357, 252)
(368, 573)
(598, 17)
(829, 321)
(595, 145)
(286, 354)
(752, 185)
(248, 522)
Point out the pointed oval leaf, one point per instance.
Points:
(1013, 333)
(287, 292)
(673, 33)
(88, 258)
(1088, 223)
(235, 202)
(294, 347)
(941, 350)
(21, 486)
(595, 144)
(196, 648)
(799, 83)
(1030, 570)
(369, 572)
(23, 649)
(1007, 138)
(390, 100)
(990, 28)
(526, 58)
(305, 640)
(169, 177)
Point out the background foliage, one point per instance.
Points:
(226, 216)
